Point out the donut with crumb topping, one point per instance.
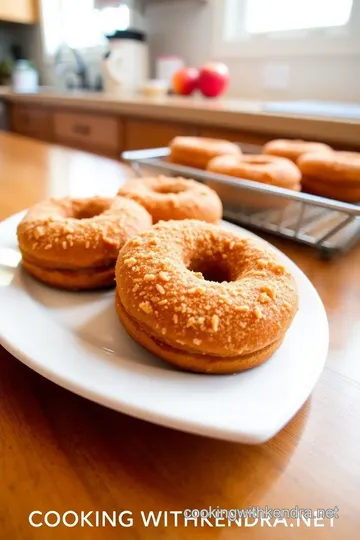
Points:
(204, 298)
(174, 198)
(74, 243)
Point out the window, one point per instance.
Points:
(286, 27)
(79, 24)
(262, 16)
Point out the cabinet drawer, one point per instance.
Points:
(32, 121)
(151, 134)
(89, 131)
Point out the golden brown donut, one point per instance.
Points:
(174, 198)
(271, 170)
(335, 175)
(198, 151)
(204, 298)
(328, 190)
(293, 149)
(73, 243)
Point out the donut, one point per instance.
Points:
(293, 149)
(198, 151)
(174, 198)
(203, 298)
(74, 243)
(335, 175)
(271, 170)
(344, 193)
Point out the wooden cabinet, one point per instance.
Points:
(94, 132)
(31, 121)
(109, 134)
(235, 136)
(22, 11)
(152, 134)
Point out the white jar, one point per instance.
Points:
(125, 66)
(25, 78)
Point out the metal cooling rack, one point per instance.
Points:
(330, 226)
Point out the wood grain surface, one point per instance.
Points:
(60, 452)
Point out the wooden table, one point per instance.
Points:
(60, 452)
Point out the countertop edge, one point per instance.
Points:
(208, 114)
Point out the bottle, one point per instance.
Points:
(25, 78)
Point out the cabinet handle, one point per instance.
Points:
(81, 129)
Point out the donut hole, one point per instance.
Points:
(212, 270)
(89, 209)
(167, 190)
(258, 161)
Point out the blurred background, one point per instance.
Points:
(275, 49)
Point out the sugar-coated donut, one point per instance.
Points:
(174, 198)
(198, 151)
(203, 298)
(271, 170)
(335, 175)
(293, 149)
(74, 243)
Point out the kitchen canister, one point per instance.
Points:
(24, 78)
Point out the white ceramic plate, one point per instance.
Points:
(76, 341)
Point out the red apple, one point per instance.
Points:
(213, 79)
(185, 80)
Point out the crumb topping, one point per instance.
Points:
(269, 291)
(146, 306)
(215, 322)
(164, 276)
(160, 288)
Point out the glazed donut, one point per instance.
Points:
(335, 175)
(198, 151)
(74, 243)
(293, 149)
(344, 193)
(174, 198)
(271, 170)
(203, 298)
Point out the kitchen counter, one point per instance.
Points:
(250, 116)
(60, 452)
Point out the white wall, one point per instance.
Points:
(185, 27)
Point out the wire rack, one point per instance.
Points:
(330, 226)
